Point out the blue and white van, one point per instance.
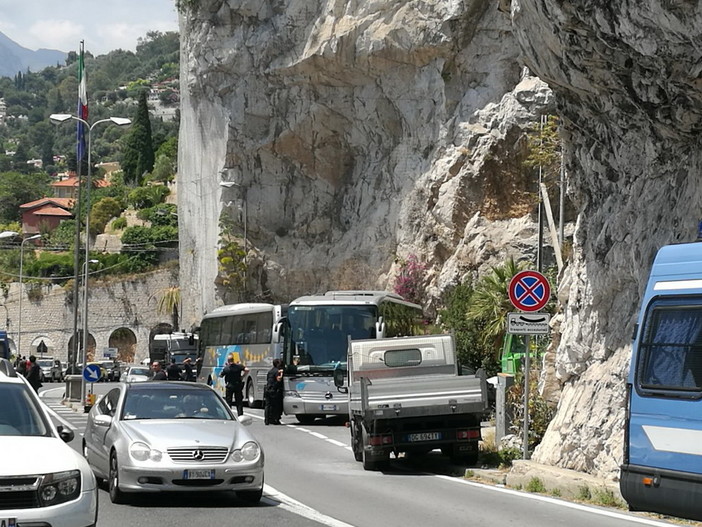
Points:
(662, 464)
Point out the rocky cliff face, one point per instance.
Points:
(627, 78)
(352, 133)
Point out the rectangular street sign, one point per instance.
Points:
(528, 323)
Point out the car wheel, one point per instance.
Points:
(305, 419)
(250, 496)
(116, 495)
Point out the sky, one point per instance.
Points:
(104, 25)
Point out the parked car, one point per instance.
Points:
(114, 372)
(171, 436)
(137, 374)
(58, 371)
(50, 483)
(45, 364)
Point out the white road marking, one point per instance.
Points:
(287, 503)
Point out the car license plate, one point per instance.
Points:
(423, 436)
(198, 474)
(328, 408)
(8, 522)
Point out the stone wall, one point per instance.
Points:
(113, 304)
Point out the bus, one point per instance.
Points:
(320, 327)
(662, 463)
(253, 333)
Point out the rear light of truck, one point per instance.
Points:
(380, 440)
(467, 434)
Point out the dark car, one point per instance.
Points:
(114, 372)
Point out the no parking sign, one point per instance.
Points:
(529, 291)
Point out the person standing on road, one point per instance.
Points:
(188, 374)
(159, 374)
(173, 371)
(34, 374)
(274, 394)
(233, 374)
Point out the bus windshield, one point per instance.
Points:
(320, 333)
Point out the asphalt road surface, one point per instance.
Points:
(312, 479)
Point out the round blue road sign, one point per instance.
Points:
(92, 373)
(529, 291)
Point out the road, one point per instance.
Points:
(312, 479)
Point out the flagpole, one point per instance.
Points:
(76, 250)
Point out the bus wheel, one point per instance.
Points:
(251, 396)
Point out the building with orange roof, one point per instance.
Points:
(68, 187)
(45, 214)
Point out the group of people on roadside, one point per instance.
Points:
(30, 369)
(233, 374)
(173, 372)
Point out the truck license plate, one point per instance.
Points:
(8, 522)
(423, 436)
(198, 474)
(328, 408)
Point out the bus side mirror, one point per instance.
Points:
(339, 378)
(380, 328)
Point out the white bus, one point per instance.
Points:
(249, 332)
(320, 327)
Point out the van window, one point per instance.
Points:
(670, 349)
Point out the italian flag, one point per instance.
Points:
(82, 103)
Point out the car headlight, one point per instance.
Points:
(141, 452)
(249, 452)
(59, 487)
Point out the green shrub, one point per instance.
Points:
(119, 223)
(606, 498)
(584, 493)
(102, 212)
(145, 197)
(535, 485)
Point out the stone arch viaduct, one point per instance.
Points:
(122, 314)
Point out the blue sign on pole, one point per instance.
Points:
(92, 373)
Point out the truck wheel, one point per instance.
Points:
(356, 441)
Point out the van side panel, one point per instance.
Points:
(662, 466)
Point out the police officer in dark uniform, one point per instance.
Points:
(233, 374)
(173, 371)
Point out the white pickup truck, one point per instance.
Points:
(407, 395)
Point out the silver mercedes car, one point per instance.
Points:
(171, 436)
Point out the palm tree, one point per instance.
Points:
(490, 302)
(170, 303)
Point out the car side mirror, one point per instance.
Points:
(245, 420)
(66, 434)
(103, 420)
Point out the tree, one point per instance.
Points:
(17, 189)
(490, 303)
(101, 213)
(138, 145)
(169, 303)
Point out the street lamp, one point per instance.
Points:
(85, 323)
(58, 118)
(21, 293)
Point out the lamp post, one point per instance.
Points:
(84, 356)
(21, 293)
(58, 118)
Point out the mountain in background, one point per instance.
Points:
(15, 58)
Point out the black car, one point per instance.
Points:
(114, 372)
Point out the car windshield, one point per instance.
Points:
(164, 403)
(139, 371)
(19, 413)
(45, 363)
